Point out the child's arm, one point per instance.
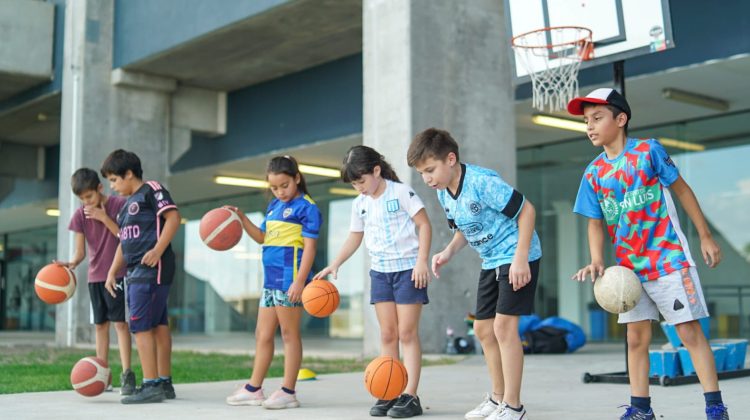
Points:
(709, 248)
(421, 274)
(98, 213)
(308, 256)
(254, 231)
(117, 262)
(442, 258)
(79, 253)
(351, 244)
(519, 274)
(596, 248)
(171, 224)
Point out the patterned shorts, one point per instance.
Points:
(275, 297)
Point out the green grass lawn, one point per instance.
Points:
(27, 369)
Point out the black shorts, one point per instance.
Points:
(495, 294)
(104, 306)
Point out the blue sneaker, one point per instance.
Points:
(717, 412)
(635, 413)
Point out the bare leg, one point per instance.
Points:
(639, 338)
(102, 341)
(408, 335)
(123, 341)
(289, 319)
(506, 331)
(388, 321)
(163, 350)
(264, 335)
(145, 342)
(692, 337)
(484, 329)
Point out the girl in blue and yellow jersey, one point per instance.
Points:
(288, 234)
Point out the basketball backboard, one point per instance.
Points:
(621, 29)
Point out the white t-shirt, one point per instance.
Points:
(390, 232)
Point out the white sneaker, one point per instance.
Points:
(484, 409)
(280, 399)
(505, 413)
(242, 396)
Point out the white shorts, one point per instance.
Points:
(677, 296)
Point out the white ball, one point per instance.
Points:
(618, 290)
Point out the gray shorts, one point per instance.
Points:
(677, 296)
(395, 287)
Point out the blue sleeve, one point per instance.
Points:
(311, 220)
(262, 225)
(663, 165)
(587, 203)
(500, 196)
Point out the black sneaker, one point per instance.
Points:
(127, 382)
(151, 392)
(380, 409)
(166, 384)
(406, 406)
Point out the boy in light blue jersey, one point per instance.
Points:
(498, 222)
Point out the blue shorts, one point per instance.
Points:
(147, 304)
(395, 287)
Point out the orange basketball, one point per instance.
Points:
(385, 378)
(220, 229)
(320, 298)
(90, 376)
(55, 283)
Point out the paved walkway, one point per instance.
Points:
(552, 389)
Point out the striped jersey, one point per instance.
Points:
(628, 193)
(485, 210)
(141, 221)
(390, 232)
(285, 226)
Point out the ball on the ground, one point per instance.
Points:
(385, 378)
(220, 229)
(320, 298)
(617, 290)
(90, 376)
(55, 283)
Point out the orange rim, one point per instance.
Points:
(577, 42)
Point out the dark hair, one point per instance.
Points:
(362, 160)
(83, 180)
(613, 109)
(287, 165)
(120, 162)
(431, 143)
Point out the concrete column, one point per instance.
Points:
(445, 64)
(97, 118)
(570, 294)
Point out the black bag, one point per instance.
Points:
(545, 340)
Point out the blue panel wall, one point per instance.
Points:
(147, 27)
(702, 31)
(319, 103)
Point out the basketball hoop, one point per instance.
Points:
(552, 57)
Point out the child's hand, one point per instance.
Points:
(70, 265)
(519, 274)
(110, 285)
(711, 252)
(295, 291)
(420, 275)
(439, 260)
(593, 270)
(236, 210)
(95, 212)
(330, 270)
(151, 258)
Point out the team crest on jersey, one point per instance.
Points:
(610, 208)
(133, 209)
(475, 208)
(287, 212)
(391, 206)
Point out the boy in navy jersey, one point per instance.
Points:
(148, 222)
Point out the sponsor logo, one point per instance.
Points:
(391, 206)
(475, 208)
(162, 203)
(481, 241)
(130, 232)
(471, 229)
(287, 212)
(668, 160)
(133, 209)
(159, 195)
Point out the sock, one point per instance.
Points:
(251, 388)
(149, 381)
(493, 401)
(517, 410)
(287, 390)
(713, 398)
(641, 403)
(165, 378)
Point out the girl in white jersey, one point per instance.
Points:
(392, 220)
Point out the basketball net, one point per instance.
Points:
(552, 57)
